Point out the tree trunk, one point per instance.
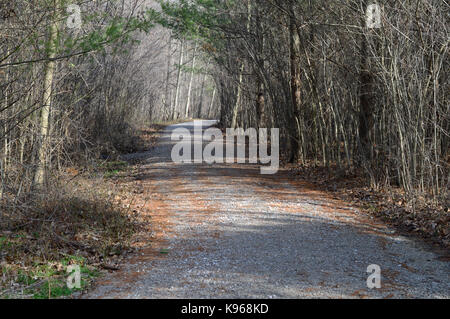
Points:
(367, 94)
(188, 103)
(260, 98)
(212, 104)
(177, 90)
(238, 98)
(366, 104)
(39, 177)
(295, 87)
(241, 72)
(200, 104)
(168, 100)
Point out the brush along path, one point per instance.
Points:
(226, 231)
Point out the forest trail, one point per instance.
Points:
(226, 231)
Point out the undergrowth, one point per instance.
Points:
(76, 223)
(416, 213)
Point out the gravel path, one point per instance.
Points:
(233, 233)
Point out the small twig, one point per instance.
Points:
(109, 267)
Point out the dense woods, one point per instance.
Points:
(66, 89)
(345, 94)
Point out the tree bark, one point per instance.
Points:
(168, 100)
(238, 97)
(241, 72)
(212, 103)
(188, 102)
(367, 94)
(260, 98)
(177, 90)
(39, 177)
(294, 38)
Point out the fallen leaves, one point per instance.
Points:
(419, 214)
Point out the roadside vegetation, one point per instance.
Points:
(85, 219)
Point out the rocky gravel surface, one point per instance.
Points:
(233, 233)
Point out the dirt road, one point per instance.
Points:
(226, 231)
